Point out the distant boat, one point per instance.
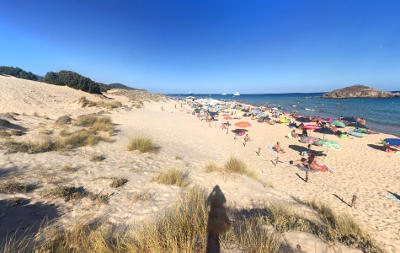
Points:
(223, 94)
(190, 93)
(236, 94)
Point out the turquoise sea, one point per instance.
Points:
(382, 115)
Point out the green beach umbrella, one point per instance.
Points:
(338, 124)
(284, 120)
(328, 144)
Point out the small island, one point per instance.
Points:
(359, 91)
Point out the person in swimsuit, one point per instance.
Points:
(278, 148)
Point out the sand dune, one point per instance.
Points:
(360, 168)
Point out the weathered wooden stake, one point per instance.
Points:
(306, 176)
(353, 201)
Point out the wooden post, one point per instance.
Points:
(353, 201)
(306, 176)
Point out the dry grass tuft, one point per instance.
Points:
(68, 192)
(16, 187)
(97, 158)
(70, 168)
(343, 229)
(118, 182)
(45, 144)
(142, 144)
(211, 166)
(45, 131)
(235, 165)
(63, 120)
(4, 134)
(95, 123)
(17, 132)
(100, 198)
(176, 177)
(80, 138)
(142, 196)
(84, 102)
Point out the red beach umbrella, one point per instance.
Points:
(243, 124)
(312, 127)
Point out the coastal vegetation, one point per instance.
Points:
(88, 134)
(176, 177)
(17, 72)
(73, 80)
(233, 165)
(183, 228)
(142, 144)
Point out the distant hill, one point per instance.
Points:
(119, 86)
(359, 91)
(64, 77)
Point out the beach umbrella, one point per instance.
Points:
(227, 118)
(309, 139)
(255, 111)
(328, 144)
(337, 123)
(302, 119)
(284, 120)
(392, 142)
(243, 124)
(324, 130)
(329, 119)
(196, 110)
(209, 108)
(240, 109)
(311, 127)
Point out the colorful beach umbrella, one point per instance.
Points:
(311, 127)
(284, 120)
(338, 124)
(392, 142)
(243, 124)
(328, 144)
(303, 120)
(227, 117)
(329, 119)
(309, 139)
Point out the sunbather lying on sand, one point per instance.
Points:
(312, 165)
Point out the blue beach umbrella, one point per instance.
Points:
(302, 119)
(392, 141)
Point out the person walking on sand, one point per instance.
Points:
(246, 139)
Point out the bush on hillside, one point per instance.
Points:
(73, 80)
(17, 72)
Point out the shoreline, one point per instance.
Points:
(384, 127)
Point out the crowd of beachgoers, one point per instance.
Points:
(235, 118)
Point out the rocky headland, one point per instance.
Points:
(359, 91)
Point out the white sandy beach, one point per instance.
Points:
(359, 169)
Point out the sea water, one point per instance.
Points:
(382, 115)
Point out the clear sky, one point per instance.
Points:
(250, 46)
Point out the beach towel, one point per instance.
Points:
(392, 197)
(271, 148)
(313, 171)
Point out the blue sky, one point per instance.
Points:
(254, 46)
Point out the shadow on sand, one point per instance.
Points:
(19, 218)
